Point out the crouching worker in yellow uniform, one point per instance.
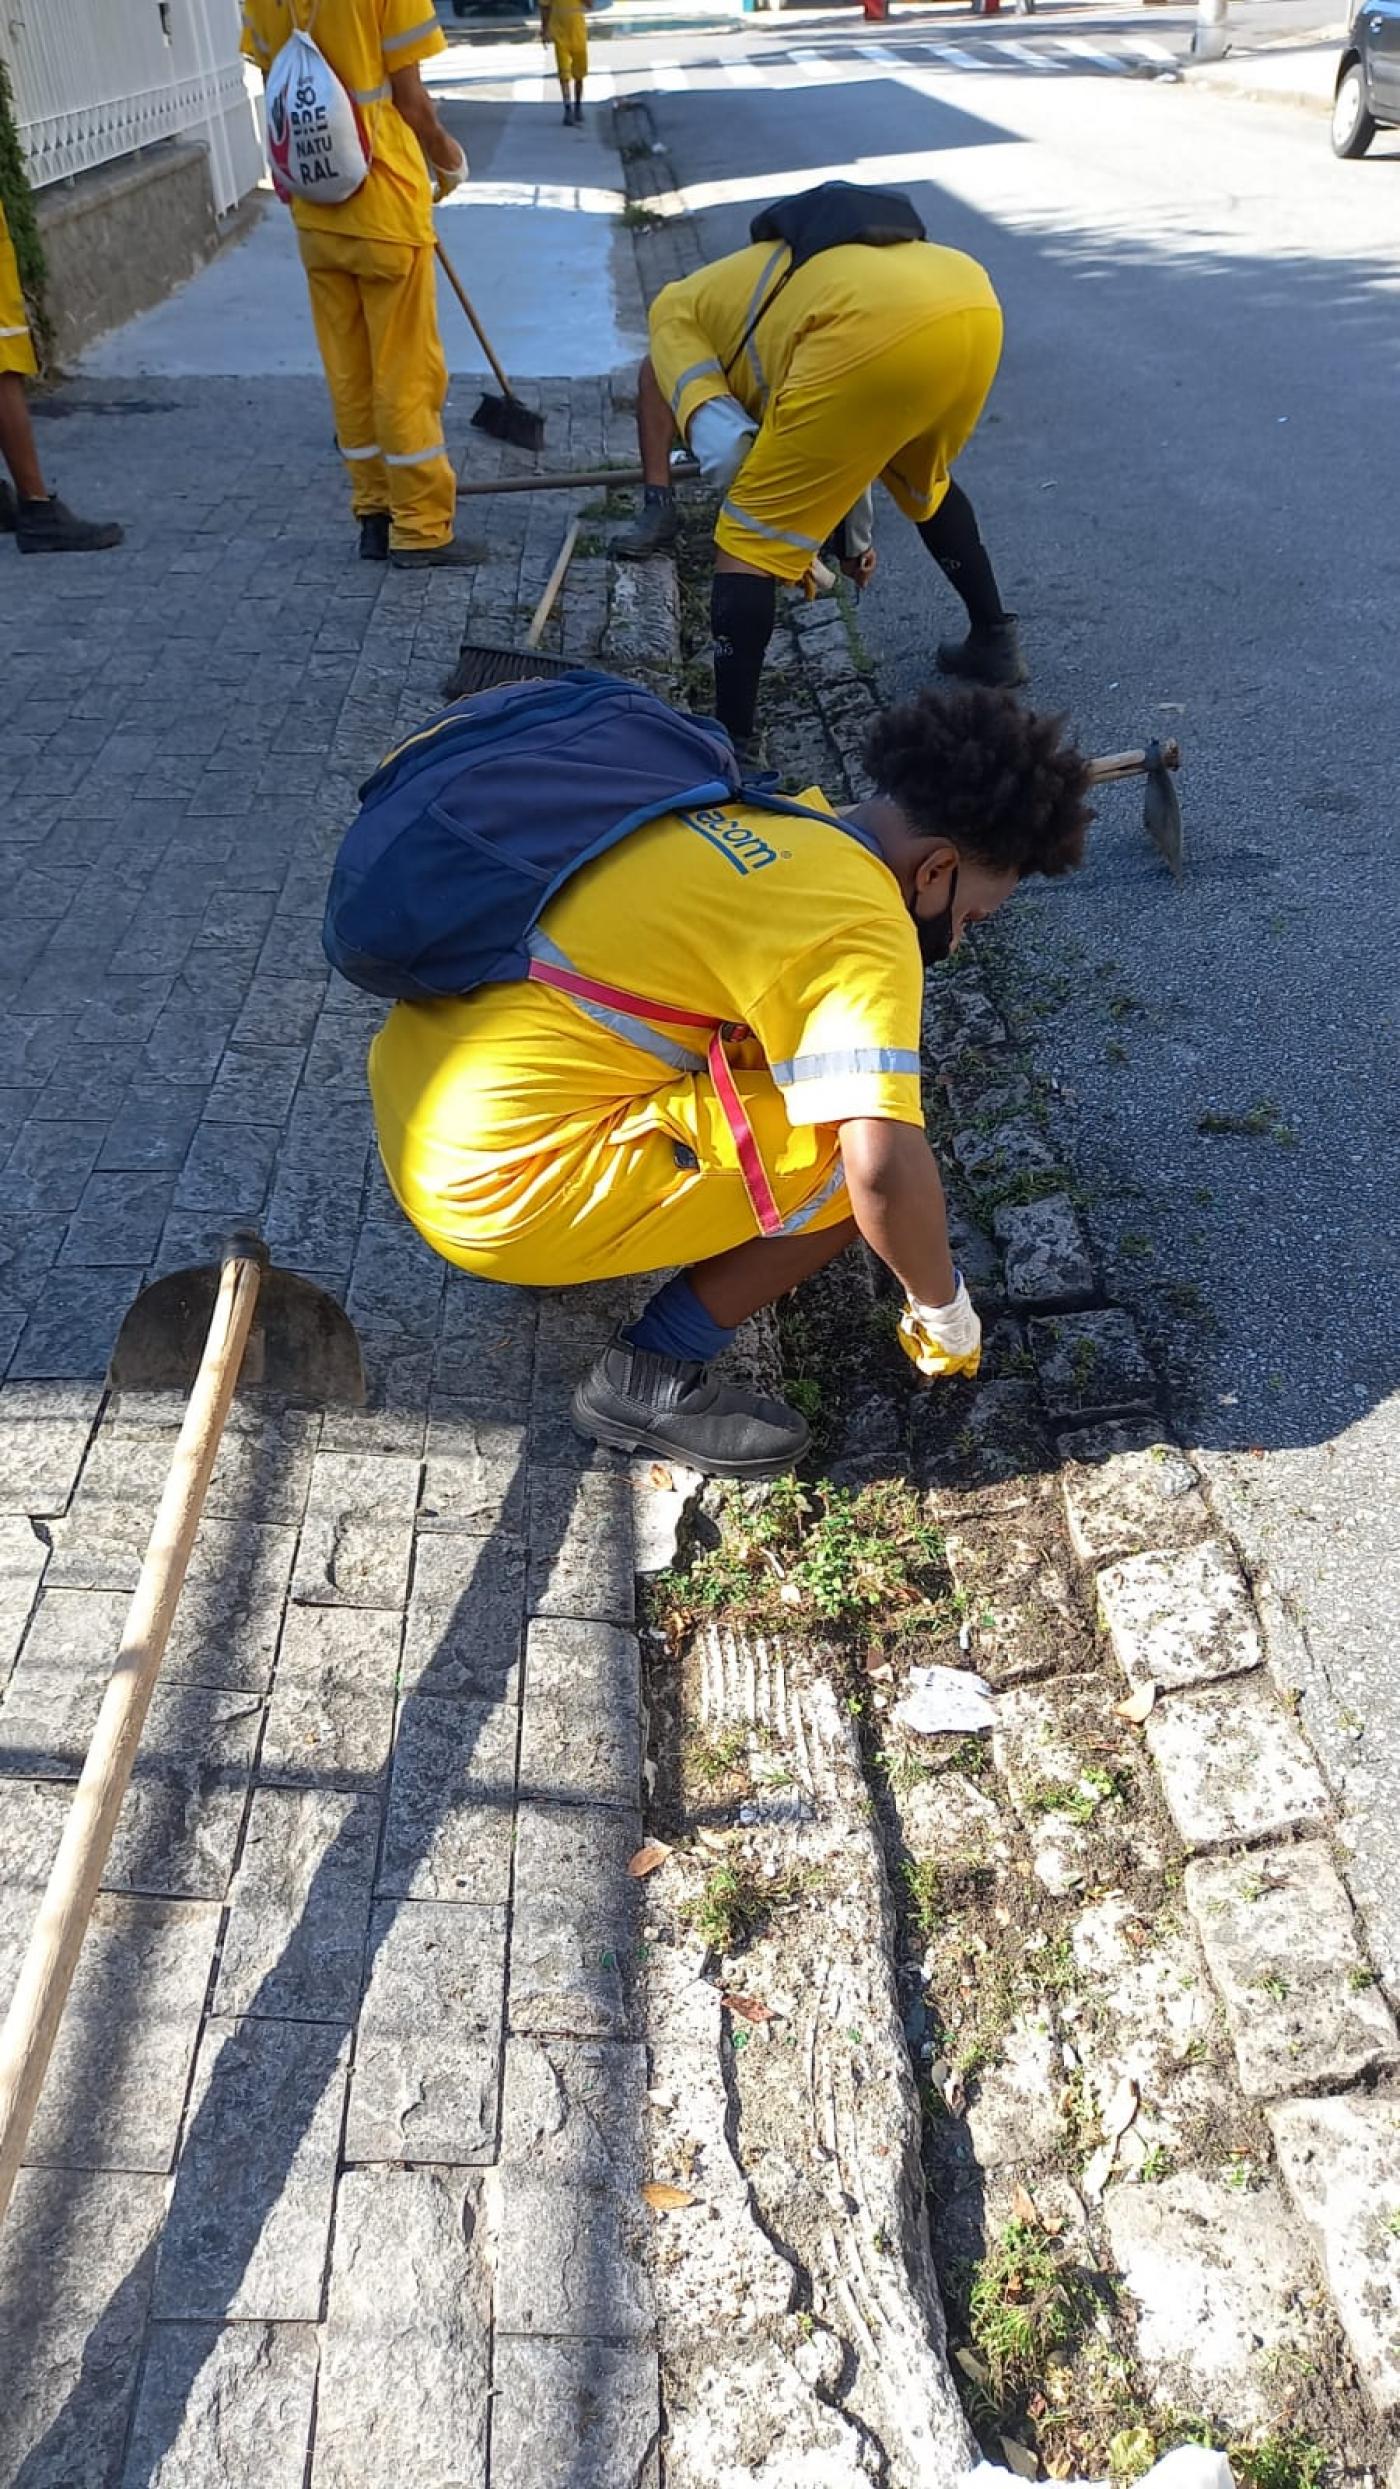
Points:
(544, 1133)
(41, 522)
(369, 266)
(798, 381)
(564, 24)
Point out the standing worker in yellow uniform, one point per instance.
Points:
(369, 265)
(41, 522)
(564, 24)
(799, 382)
(546, 1133)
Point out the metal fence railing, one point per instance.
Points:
(95, 80)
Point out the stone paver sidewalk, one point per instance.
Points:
(338, 2156)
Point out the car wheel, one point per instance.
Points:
(1353, 127)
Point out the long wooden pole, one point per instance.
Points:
(46, 1974)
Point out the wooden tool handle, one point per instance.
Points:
(464, 299)
(683, 471)
(46, 1972)
(553, 585)
(1133, 764)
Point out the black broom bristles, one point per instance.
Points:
(509, 419)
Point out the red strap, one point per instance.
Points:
(751, 1167)
(617, 998)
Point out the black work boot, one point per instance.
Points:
(638, 1401)
(374, 536)
(656, 525)
(51, 527)
(458, 553)
(991, 653)
(9, 509)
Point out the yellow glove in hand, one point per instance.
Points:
(943, 1339)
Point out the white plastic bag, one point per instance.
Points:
(721, 435)
(945, 1702)
(317, 143)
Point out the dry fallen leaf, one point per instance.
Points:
(660, 1476)
(1023, 2206)
(1020, 2459)
(971, 2365)
(710, 1838)
(1121, 2110)
(1139, 1703)
(747, 2008)
(666, 2199)
(646, 1860)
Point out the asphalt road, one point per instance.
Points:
(1182, 477)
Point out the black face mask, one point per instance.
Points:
(936, 932)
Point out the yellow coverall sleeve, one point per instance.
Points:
(697, 324)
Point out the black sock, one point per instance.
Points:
(654, 494)
(743, 610)
(952, 538)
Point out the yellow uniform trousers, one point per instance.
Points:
(869, 364)
(568, 32)
(16, 345)
(547, 1198)
(375, 309)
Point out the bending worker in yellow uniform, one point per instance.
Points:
(534, 1138)
(41, 522)
(369, 265)
(564, 24)
(800, 385)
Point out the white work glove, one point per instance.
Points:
(943, 1339)
(447, 176)
(721, 435)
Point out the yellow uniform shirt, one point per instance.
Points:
(365, 41)
(532, 1138)
(845, 307)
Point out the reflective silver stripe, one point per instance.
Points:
(21, 331)
(415, 457)
(834, 1184)
(415, 34)
(634, 1032)
(751, 349)
(696, 371)
(371, 94)
(847, 1060)
(775, 535)
(373, 451)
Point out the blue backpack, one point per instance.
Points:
(469, 828)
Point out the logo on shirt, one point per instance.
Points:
(734, 840)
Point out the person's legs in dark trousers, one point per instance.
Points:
(991, 652)
(743, 610)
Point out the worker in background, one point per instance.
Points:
(802, 391)
(542, 1140)
(564, 23)
(41, 522)
(369, 266)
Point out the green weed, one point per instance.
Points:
(923, 1885)
(1026, 2305)
(1286, 2459)
(735, 1904)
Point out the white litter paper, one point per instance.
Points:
(1186, 2467)
(945, 1701)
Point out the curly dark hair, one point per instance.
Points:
(974, 766)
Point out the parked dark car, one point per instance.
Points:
(1368, 78)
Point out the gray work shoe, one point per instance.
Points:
(51, 527)
(991, 653)
(637, 1401)
(656, 525)
(458, 553)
